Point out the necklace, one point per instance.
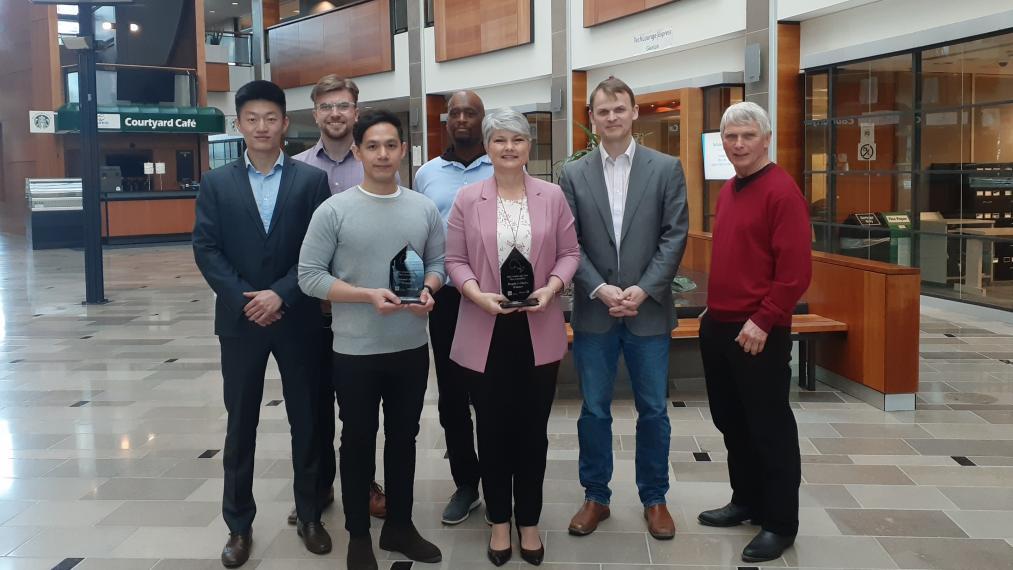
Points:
(512, 225)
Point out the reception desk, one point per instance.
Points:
(145, 217)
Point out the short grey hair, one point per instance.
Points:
(746, 113)
(505, 119)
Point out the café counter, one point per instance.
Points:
(144, 217)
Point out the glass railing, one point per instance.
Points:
(234, 48)
(137, 85)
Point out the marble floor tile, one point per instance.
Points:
(862, 446)
(81, 543)
(134, 489)
(949, 554)
(894, 522)
(839, 552)
(984, 524)
(161, 513)
(63, 514)
(899, 497)
(854, 474)
(116, 564)
(981, 498)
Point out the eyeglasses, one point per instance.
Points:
(343, 107)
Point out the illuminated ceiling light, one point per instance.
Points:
(135, 28)
(107, 26)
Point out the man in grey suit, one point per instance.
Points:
(629, 203)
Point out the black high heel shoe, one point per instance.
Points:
(499, 557)
(535, 556)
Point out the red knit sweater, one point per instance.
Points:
(761, 259)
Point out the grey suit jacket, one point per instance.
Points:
(653, 238)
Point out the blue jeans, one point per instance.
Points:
(596, 357)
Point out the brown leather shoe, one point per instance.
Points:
(659, 522)
(377, 501)
(237, 550)
(588, 517)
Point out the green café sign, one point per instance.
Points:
(194, 120)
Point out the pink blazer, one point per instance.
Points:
(472, 253)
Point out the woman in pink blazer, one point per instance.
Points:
(511, 356)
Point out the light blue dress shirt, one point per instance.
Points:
(265, 187)
(440, 179)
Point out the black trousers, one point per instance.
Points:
(454, 408)
(244, 361)
(749, 403)
(513, 399)
(398, 380)
(325, 418)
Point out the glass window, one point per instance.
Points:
(540, 159)
(874, 86)
(968, 73)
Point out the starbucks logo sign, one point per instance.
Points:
(42, 122)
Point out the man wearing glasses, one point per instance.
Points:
(335, 111)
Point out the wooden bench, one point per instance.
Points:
(804, 329)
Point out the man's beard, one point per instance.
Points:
(341, 129)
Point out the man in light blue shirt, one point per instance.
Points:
(440, 179)
(265, 187)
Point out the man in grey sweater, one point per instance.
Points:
(380, 344)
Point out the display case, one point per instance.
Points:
(55, 218)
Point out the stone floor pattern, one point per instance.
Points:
(111, 425)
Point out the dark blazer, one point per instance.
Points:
(235, 254)
(652, 239)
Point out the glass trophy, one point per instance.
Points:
(407, 274)
(517, 281)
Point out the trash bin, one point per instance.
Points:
(899, 225)
(869, 237)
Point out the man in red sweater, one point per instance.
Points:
(760, 267)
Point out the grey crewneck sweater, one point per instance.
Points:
(353, 236)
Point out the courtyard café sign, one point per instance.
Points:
(177, 120)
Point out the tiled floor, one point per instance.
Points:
(111, 418)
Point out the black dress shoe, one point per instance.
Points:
(315, 537)
(766, 546)
(293, 517)
(728, 515)
(406, 540)
(360, 554)
(499, 557)
(535, 556)
(237, 550)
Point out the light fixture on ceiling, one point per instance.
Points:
(107, 26)
(134, 27)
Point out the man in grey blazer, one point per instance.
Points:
(629, 203)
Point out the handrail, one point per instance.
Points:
(132, 66)
(316, 14)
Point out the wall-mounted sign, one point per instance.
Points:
(159, 168)
(867, 151)
(149, 167)
(146, 120)
(654, 40)
(41, 122)
(716, 165)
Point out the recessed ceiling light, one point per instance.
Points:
(134, 27)
(235, 3)
(212, 11)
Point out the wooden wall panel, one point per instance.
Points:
(579, 94)
(162, 148)
(464, 28)
(690, 143)
(878, 301)
(350, 42)
(217, 77)
(436, 105)
(790, 101)
(601, 11)
(200, 63)
(29, 71)
(147, 217)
